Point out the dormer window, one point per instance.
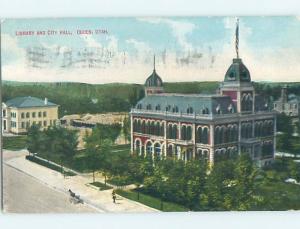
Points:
(139, 106)
(205, 110)
(157, 108)
(218, 109)
(230, 108)
(175, 109)
(190, 110)
(148, 107)
(168, 108)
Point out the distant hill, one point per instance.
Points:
(116, 97)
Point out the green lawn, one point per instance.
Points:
(15, 142)
(101, 186)
(150, 201)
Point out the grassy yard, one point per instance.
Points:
(15, 142)
(101, 186)
(150, 201)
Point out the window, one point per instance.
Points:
(175, 109)
(23, 125)
(139, 106)
(13, 124)
(40, 123)
(44, 114)
(230, 108)
(22, 115)
(205, 110)
(4, 113)
(33, 114)
(34, 122)
(40, 114)
(168, 108)
(50, 122)
(45, 123)
(190, 110)
(27, 124)
(148, 107)
(218, 109)
(27, 115)
(157, 107)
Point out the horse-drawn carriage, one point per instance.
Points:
(75, 199)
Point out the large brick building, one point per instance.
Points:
(209, 127)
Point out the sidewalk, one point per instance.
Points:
(101, 200)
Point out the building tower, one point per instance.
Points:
(237, 82)
(153, 84)
(284, 94)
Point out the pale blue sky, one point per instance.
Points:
(200, 48)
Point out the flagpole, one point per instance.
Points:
(237, 38)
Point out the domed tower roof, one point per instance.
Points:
(237, 72)
(154, 79)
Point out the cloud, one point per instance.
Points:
(11, 50)
(180, 30)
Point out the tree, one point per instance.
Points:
(294, 170)
(63, 143)
(245, 174)
(219, 186)
(33, 139)
(126, 129)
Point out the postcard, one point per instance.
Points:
(150, 114)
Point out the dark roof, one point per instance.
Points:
(198, 102)
(237, 72)
(154, 80)
(23, 102)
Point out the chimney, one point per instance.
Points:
(46, 101)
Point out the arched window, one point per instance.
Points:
(218, 135)
(224, 134)
(174, 132)
(183, 133)
(199, 135)
(204, 136)
(147, 127)
(168, 108)
(157, 150)
(152, 128)
(149, 148)
(190, 110)
(157, 108)
(162, 129)
(169, 131)
(139, 128)
(135, 125)
(143, 127)
(189, 133)
(157, 129)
